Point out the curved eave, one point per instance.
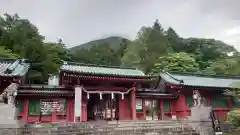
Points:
(200, 81)
(108, 78)
(197, 86)
(155, 95)
(107, 75)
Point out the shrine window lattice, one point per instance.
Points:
(20, 105)
(219, 101)
(236, 103)
(166, 106)
(139, 105)
(189, 101)
(46, 106)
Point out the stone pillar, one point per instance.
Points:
(133, 93)
(78, 104)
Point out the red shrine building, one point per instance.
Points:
(91, 93)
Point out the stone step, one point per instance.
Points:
(7, 116)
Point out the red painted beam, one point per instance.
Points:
(107, 88)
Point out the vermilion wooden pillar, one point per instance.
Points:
(25, 111)
(161, 109)
(134, 115)
(54, 116)
(182, 106)
(144, 109)
(70, 108)
(84, 111)
(208, 101)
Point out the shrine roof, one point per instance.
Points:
(45, 90)
(43, 87)
(13, 67)
(101, 70)
(190, 79)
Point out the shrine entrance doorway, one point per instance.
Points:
(152, 111)
(101, 107)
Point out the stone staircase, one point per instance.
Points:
(112, 128)
(129, 128)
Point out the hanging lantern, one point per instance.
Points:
(112, 96)
(122, 95)
(88, 95)
(100, 95)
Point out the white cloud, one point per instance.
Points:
(234, 31)
(78, 21)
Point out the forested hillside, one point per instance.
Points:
(153, 50)
(113, 41)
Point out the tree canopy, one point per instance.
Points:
(153, 50)
(19, 38)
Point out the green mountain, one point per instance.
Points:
(113, 41)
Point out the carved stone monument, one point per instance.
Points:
(200, 113)
(8, 110)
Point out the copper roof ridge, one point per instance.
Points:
(11, 59)
(97, 65)
(205, 75)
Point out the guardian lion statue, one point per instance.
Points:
(9, 94)
(197, 98)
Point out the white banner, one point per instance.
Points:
(139, 104)
(78, 103)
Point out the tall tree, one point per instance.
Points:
(177, 62)
(151, 43)
(174, 40)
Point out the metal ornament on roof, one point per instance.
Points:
(88, 96)
(122, 95)
(112, 95)
(65, 63)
